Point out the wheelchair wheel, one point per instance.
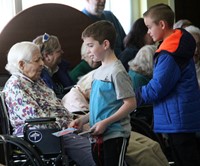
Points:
(18, 152)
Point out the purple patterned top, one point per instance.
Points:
(29, 99)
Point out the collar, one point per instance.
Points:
(171, 43)
(51, 72)
(23, 76)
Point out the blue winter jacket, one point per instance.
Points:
(174, 88)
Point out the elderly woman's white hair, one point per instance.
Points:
(195, 32)
(83, 51)
(19, 51)
(143, 61)
(183, 23)
(193, 29)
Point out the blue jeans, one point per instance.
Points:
(78, 148)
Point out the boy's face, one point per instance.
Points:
(154, 30)
(94, 49)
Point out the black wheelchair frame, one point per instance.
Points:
(41, 151)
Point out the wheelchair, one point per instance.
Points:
(38, 147)
(142, 122)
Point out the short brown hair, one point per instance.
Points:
(159, 12)
(100, 31)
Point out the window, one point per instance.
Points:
(113, 5)
(78, 4)
(9, 8)
(126, 11)
(6, 11)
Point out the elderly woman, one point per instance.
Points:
(195, 32)
(140, 72)
(27, 96)
(55, 71)
(141, 67)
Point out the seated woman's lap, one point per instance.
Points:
(78, 148)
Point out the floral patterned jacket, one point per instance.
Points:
(28, 99)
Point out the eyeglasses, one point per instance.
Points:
(45, 38)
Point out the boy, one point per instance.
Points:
(111, 99)
(174, 88)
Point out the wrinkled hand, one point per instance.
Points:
(99, 128)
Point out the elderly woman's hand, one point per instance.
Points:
(77, 123)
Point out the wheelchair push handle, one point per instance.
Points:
(40, 120)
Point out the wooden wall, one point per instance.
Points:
(65, 22)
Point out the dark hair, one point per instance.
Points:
(100, 31)
(159, 12)
(136, 35)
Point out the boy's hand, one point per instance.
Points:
(99, 128)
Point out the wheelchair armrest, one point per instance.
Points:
(40, 120)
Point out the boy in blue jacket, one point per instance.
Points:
(174, 88)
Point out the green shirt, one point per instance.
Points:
(81, 69)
